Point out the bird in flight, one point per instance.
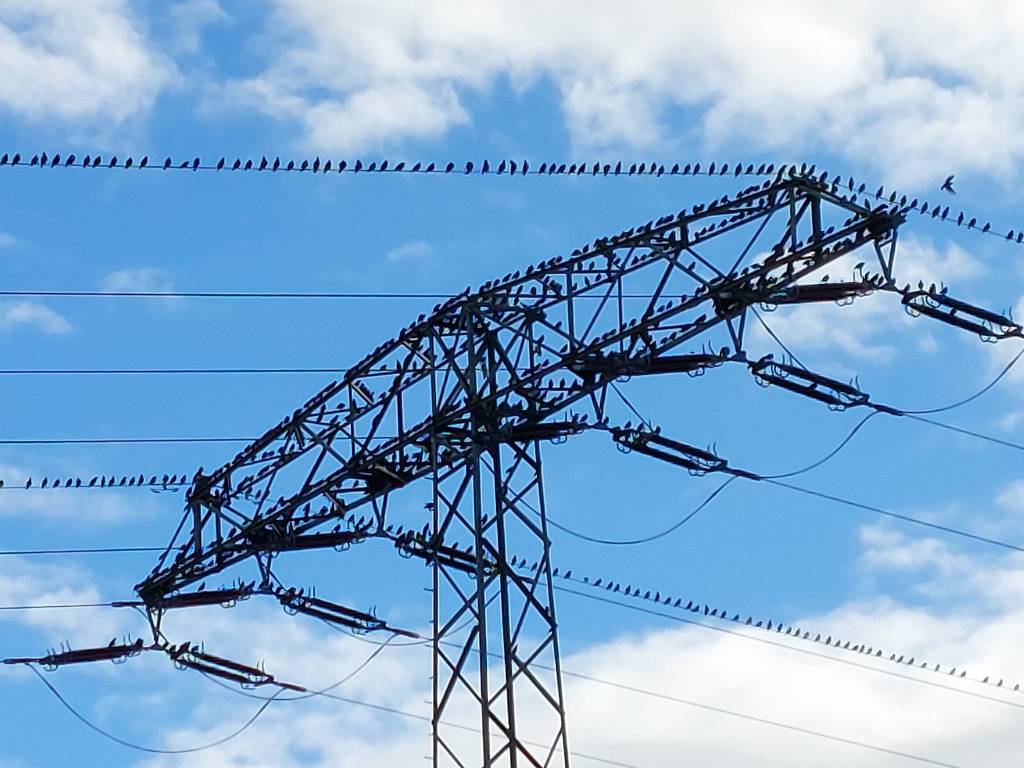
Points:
(947, 185)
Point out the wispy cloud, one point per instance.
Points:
(139, 279)
(190, 17)
(32, 314)
(416, 253)
(7, 241)
(143, 280)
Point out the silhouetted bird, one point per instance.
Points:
(947, 185)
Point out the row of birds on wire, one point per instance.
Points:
(705, 610)
(165, 482)
(499, 168)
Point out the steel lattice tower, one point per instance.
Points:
(463, 398)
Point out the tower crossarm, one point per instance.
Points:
(549, 341)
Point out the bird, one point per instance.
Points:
(947, 185)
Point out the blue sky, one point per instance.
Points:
(852, 90)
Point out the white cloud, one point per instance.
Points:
(32, 314)
(918, 259)
(72, 505)
(33, 583)
(689, 663)
(141, 279)
(913, 101)
(417, 252)
(190, 17)
(86, 61)
(858, 329)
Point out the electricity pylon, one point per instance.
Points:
(462, 399)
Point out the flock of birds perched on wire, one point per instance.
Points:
(504, 167)
(512, 167)
(700, 609)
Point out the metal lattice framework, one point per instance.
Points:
(464, 397)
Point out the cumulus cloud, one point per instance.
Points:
(70, 505)
(865, 323)
(913, 101)
(668, 677)
(87, 61)
(32, 583)
(32, 314)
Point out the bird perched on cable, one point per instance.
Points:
(947, 185)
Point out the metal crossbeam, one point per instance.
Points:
(473, 388)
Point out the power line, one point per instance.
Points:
(343, 295)
(62, 606)
(795, 649)
(593, 584)
(509, 167)
(80, 551)
(152, 750)
(895, 515)
(159, 371)
(1006, 369)
(674, 700)
(642, 539)
(124, 440)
